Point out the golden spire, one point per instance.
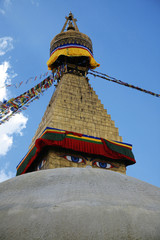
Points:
(71, 23)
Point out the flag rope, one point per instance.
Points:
(16, 105)
(18, 84)
(112, 79)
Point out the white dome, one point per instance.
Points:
(78, 203)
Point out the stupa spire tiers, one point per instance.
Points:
(76, 130)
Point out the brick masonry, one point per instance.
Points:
(75, 107)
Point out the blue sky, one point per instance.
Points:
(125, 36)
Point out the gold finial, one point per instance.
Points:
(71, 23)
(70, 26)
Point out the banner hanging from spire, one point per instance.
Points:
(16, 105)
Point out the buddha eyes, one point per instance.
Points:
(100, 164)
(75, 159)
(41, 165)
(103, 165)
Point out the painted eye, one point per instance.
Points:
(74, 159)
(103, 165)
(41, 165)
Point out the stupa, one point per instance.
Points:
(82, 191)
(76, 130)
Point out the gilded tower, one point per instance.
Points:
(76, 130)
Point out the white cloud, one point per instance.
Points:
(7, 3)
(16, 123)
(5, 175)
(8, 129)
(35, 2)
(6, 44)
(4, 79)
(2, 11)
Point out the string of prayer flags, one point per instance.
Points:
(19, 103)
(17, 85)
(107, 77)
(16, 105)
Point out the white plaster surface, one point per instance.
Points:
(78, 203)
